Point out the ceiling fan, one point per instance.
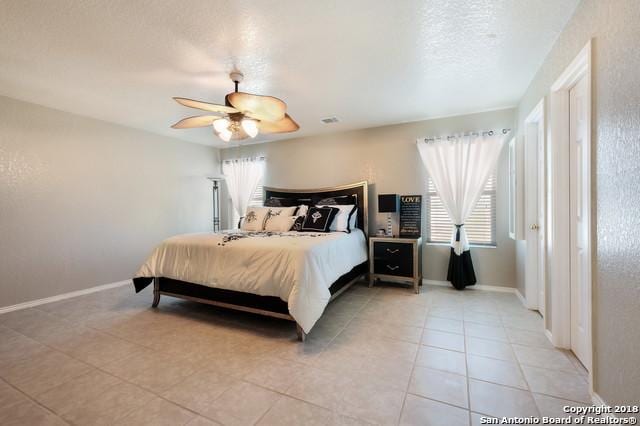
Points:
(242, 116)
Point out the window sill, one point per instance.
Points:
(475, 246)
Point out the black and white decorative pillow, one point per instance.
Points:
(343, 219)
(319, 219)
(297, 225)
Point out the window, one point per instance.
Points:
(480, 226)
(256, 198)
(255, 201)
(239, 173)
(513, 186)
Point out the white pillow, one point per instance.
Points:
(342, 219)
(302, 210)
(353, 222)
(279, 223)
(254, 218)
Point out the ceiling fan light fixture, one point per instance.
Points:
(221, 125)
(250, 127)
(225, 135)
(243, 115)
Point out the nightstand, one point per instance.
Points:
(396, 260)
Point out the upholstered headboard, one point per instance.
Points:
(358, 190)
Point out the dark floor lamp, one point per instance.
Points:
(388, 203)
(216, 202)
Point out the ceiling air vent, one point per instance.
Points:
(330, 120)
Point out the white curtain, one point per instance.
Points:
(459, 168)
(242, 176)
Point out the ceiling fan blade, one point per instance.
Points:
(281, 126)
(197, 121)
(206, 106)
(264, 108)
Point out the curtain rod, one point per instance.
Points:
(229, 160)
(449, 137)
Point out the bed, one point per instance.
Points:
(288, 275)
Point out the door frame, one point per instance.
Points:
(558, 220)
(536, 118)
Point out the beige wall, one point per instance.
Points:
(83, 202)
(613, 26)
(388, 159)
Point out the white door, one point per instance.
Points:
(541, 221)
(534, 209)
(579, 215)
(531, 214)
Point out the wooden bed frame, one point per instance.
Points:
(267, 305)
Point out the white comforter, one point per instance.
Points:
(297, 267)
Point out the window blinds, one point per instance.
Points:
(481, 225)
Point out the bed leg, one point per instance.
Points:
(156, 293)
(301, 334)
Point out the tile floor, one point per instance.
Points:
(378, 356)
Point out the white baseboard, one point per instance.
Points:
(32, 303)
(434, 282)
(597, 400)
(549, 336)
(522, 299)
(473, 287)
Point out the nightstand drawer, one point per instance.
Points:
(401, 267)
(392, 251)
(395, 259)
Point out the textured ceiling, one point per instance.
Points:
(367, 62)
